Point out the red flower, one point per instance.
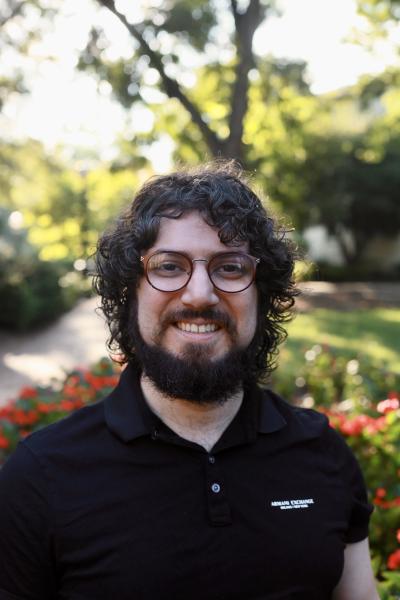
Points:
(67, 405)
(28, 392)
(47, 407)
(354, 426)
(21, 417)
(394, 560)
(5, 412)
(386, 504)
(4, 442)
(380, 493)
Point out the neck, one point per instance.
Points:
(200, 423)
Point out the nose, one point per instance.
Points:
(200, 291)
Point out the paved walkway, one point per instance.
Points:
(78, 338)
(348, 296)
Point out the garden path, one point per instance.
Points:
(78, 338)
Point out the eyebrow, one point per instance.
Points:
(234, 250)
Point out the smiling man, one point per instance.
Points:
(189, 480)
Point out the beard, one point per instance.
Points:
(192, 375)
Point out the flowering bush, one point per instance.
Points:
(375, 440)
(361, 400)
(38, 406)
(352, 393)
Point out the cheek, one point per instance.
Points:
(151, 305)
(146, 310)
(248, 316)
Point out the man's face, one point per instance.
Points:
(165, 317)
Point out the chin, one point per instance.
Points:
(192, 374)
(198, 353)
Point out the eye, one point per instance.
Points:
(169, 268)
(229, 267)
(167, 265)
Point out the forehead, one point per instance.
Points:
(192, 235)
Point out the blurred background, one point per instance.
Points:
(98, 95)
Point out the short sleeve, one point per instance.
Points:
(25, 532)
(360, 508)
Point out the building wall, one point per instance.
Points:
(322, 247)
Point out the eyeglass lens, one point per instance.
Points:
(171, 271)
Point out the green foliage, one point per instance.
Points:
(328, 378)
(373, 331)
(63, 209)
(62, 212)
(190, 21)
(389, 588)
(32, 292)
(322, 161)
(362, 270)
(379, 11)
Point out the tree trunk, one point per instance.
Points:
(245, 25)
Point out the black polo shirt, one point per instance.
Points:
(110, 503)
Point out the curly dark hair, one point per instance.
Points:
(220, 192)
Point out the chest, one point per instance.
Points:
(204, 527)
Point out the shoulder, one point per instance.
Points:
(297, 419)
(306, 424)
(74, 434)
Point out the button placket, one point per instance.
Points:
(219, 511)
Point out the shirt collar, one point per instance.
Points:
(270, 418)
(128, 416)
(125, 409)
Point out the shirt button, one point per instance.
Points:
(211, 459)
(154, 435)
(216, 488)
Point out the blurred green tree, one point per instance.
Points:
(344, 173)
(62, 208)
(382, 18)
(168, 32)
(379, 12)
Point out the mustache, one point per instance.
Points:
(209, 314)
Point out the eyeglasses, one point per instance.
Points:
(171, 271)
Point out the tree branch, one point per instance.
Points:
(170, 86)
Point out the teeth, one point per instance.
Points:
(193, 328)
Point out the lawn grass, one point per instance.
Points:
(374, 333)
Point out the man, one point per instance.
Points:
(188, 481)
